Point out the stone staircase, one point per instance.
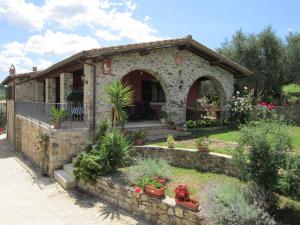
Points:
(65, 176)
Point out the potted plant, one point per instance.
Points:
(57, 116)
(163, 116)
(139, 137)
(202, 144)
(170, 141)
(154, 186)
(182, 198)
(1, 130)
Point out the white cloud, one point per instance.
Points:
(70, 14)
(106, 35)
(23, 13)
(51, 43)
(59, 43)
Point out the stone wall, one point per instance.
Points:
(176, 80)
(63, 144)
(154, 210)
(50, 93)
(290, 112)
(25, 91)
(191, 159)
(10, 109)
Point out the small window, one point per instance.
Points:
(152, 92)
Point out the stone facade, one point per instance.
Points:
(176, 80)
(25, 92)
(191, 159)
(156, 211)
(66, 83)
(39, 91)
(50, 90)
(63, 144)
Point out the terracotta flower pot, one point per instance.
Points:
(203, 148)
(138, 141)
(191, 205)
(56, 125)
(155, 192)
(171, 145)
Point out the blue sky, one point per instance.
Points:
(39, 33)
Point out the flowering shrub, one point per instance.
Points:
(1, 130)
(155, 182)
(137, 189)
(265, 111)
(240, 108)
(182, 193)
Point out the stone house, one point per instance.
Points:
(165, 75)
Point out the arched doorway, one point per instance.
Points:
(149, 96)
(205, 99)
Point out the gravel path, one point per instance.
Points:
(28, 199)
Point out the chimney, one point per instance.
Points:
(12, 70)
(34, 69)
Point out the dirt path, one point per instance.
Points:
(28, 199)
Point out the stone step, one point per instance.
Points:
(69, 169)
(64, 179)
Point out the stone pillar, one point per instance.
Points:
(88, 93)
(50, 90)
(39, 91)
(66, 84)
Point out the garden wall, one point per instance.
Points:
(189, 158)
(157, 211)
(63, 144)
(290, 112)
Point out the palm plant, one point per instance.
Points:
(119, 96)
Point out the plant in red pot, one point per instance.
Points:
(202, 144)
(153, 186)
(182, 198)
(139, 137)
(57, 115)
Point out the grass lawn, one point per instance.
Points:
(288, 210)
(226, 135)
(291, 89)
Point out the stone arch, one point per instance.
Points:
(221, 90)
(156, 75)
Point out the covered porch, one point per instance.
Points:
(148, 98)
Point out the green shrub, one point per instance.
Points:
(289, 182)
(114, 152)
(203, 122)
(149, 168)
(102, 131)
(87, 167)
(240, 109)
(230, 205)
(2, 119)
(262, 149)
(111, 152)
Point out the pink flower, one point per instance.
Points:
(137, 189)
(182, 194)
(271, 106)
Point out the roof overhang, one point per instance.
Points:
(187, 43)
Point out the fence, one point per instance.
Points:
(41, 112)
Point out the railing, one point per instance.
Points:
(41, 112)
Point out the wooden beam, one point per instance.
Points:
(144, 52)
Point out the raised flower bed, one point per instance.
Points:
(182, 198)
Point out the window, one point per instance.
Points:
(152, 92)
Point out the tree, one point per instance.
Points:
(291, 60)
(262, 54)
(119, 96)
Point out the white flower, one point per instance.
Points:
(245, 88)
(238, 92)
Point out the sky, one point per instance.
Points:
(42, 32)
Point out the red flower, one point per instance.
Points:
(182, 194)
(271, 106)
(137, 189)
(263, 104)
(162, 181)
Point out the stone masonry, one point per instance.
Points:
(176, 80)
(50, 90)
(66, 82)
